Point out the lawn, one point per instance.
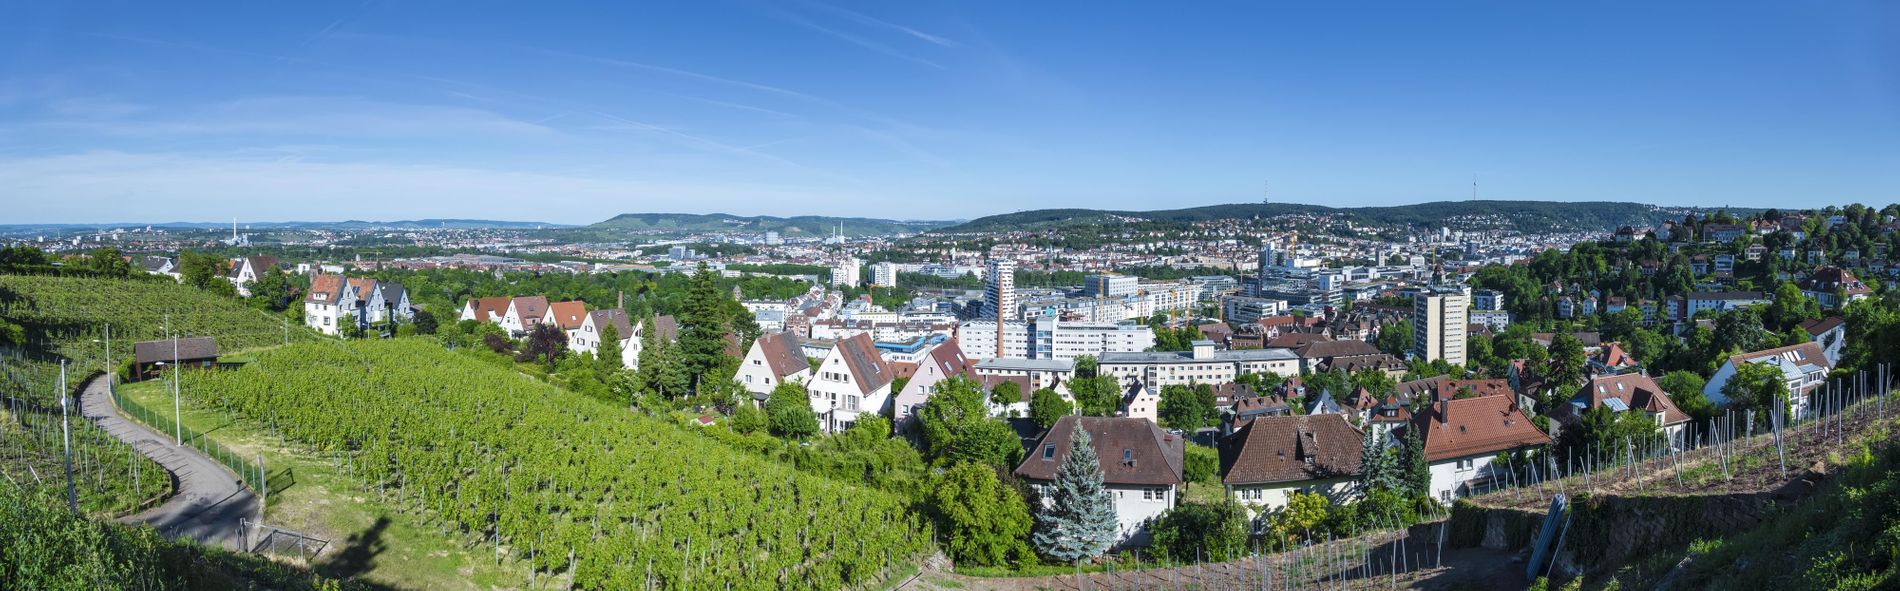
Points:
(367, 540)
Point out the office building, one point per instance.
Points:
(1110, 285)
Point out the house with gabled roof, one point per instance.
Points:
(1834, 287)
(566, 316)
(1830, 333)
(1804, 368)
(1625, 393)
(943, 362)
(331, 299)
(247, 270)
(1142, 467)
(1462, 437)
(1612, 359)
(484, 309)
(774, 359)
(523, 314)
(1269, 458)
(590, 335)
(853, 379)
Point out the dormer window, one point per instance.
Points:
(1049, 451)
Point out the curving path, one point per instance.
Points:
(208, 501)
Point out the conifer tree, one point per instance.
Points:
(1376, 468)
(1418, 471)
(1078, 522)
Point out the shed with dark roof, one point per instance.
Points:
(151, 357)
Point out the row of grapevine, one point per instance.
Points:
(584, 490)
(67, 318)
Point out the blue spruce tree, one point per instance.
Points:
(1078, 522)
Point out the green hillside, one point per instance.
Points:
(1530, 216)
(620, 500)
(66, 319)
(791, 227)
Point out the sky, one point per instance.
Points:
(572, 112)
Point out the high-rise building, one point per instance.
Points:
(846, 273)
(1440, 315)
(773, 239)
(999, 292)
(1110, 285)
(884, 274)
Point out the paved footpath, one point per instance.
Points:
(208, 500)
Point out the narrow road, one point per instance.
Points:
(208, 500)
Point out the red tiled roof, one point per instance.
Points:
(783, 353)
(1475, 426)
(1636, 391)
(568, 315)
(490, 309)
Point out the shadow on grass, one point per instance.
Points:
(358, 555)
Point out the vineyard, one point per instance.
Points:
(585, 491)
(67, 318)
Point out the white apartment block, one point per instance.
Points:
(1048, 338)
(1202, 365)
(1440, 317)
(999, 292)
(884, 274)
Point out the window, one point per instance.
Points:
(1049, 451)
(1466, 464)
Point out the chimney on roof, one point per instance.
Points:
(1444, 408)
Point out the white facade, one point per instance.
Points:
(1268, 497)
(884, 274)
(1439, 321)
(846, 273)
(836, 394)
(1048, 338)
(1204, 365)
(999, 292)
(1450, 475)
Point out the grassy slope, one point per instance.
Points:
(322, 502)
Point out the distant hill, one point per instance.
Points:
(791, 227)
(1529, 216)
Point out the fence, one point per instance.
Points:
(278, 540)
(249, 472)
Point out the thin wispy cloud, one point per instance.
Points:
(850, 38)
(694, 141)
(869, 20)
(310, 116)
(679, 73)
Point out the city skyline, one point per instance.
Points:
(388, 112)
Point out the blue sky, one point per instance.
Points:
(571, 112)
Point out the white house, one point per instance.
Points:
(484, 309)
(1141, 467)
(943, 362)
(1803, 367)
(852, 379)
(773, 360)
(1830, 333)
(588, 337)
(566, 316)
(1141, 401)
(331, 298)
(247, 270)
(1462, 437)
(523, 314)
(1272, 457)
(1624, 393)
